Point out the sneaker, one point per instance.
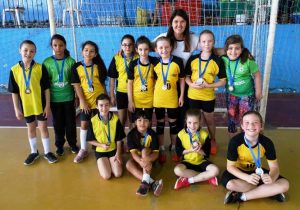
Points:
(31, 158)
(50, 157)
(157, 187)
(162, 158)
(213, 148)
(80, 156)
(279, 197)
(60, 151)
(175, 157)
(143, 189)
(74, 149)
(181, 182)
(213, 181)
(232, 197)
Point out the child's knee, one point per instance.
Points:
(178, 170)
(106, 176)
(230, 185)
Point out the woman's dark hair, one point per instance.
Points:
(98, 60)
(186, 33)
(61, 38)
(103, 96)
(128, 36)
(237, 39)
(27, 41)
(143, 40)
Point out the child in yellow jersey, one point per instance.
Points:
(118, 70)
(167, 72)
(105, 133)
(141, 79)
(193, 144)
(29, 85)
(143, 146)
(244, 177)
(88, 78)
(201, 72)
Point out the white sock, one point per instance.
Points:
(162, 147)
(146, 178)
(151, 180)
(173, 147)
(46, 145)
(191, 180)
(83, 134)
(32, 143)
(243, 197)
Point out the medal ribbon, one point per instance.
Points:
(90, 80)
(59, 72)
(125, 62)
(200, 72)
(145, 138)
(143, 81)
(27, 79)
(191, 136)
(165, 76)
(108, 128)
(231, 76)
(256, 160)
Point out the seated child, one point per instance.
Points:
(143, 145)
(193, 145)
(245, 178)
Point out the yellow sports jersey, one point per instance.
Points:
(100, 131)
(167, 98)
(239, 153)
(79, 76)
(215, 68)
(143, 98)
(117, 70)
(32, 103)
(194, 157)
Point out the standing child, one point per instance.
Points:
(193, 144)
(143, 146)
(201, 72)
(141, 79)
(88, 78)
(59, 67)
(105, 133)
(242, 90)
(29, 85)
(245, 177)
(118, 69)
(167, 72)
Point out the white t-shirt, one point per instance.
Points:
(179, 50)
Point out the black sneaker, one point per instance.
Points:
(232, 197)
(50, 157)
(143, 189)
(60, 151)
(74, 149)
(157, 187)
(279, 197)
(31, 158)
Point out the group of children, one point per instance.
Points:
(139, 84)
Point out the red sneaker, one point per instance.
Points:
(213, 148)
(175, 157)
(181, 182)
(162, 158)
(213, 181)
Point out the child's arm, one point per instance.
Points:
(82, 100)
(17, 108)
(181, 97)
(273, 174)
(250, 178)
(97, 144)
(217, 84)
(118, 156)
(257, 84)
(112, 91)
(47, 107)
(189, 82)
(130, 96)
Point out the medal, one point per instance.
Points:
(199, 81)
(60, 72)
(259, 171)
(164, 87)
(230, 88)
(195, 144)
(91, 89)
(143, 80)
(89, 79)
(143, 88)
(108, 143)
(165, 76)
(231, 75)
(60, 84)
(27, 91)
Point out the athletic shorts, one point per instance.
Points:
(87, 117)
(122, 100)
(160, 113)
(105, 154)
(226, 177)
(199, 168)
(205, 106)
(32, 118)
(149, 112)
